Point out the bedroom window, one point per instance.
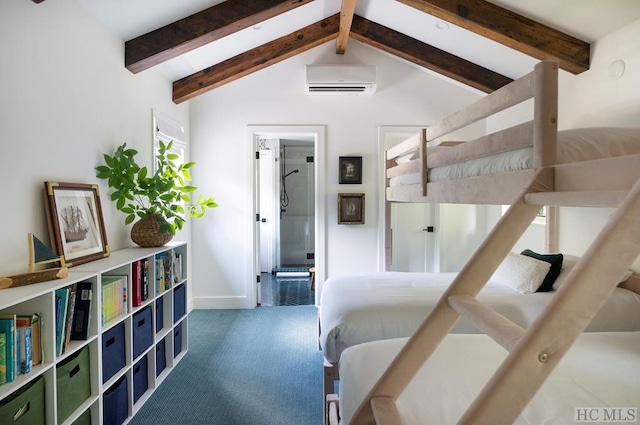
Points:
(166, 130)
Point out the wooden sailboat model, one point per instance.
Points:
(39, 254)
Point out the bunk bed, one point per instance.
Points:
(589, 181)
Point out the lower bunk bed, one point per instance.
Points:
(597, 380)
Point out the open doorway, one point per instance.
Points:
(289, 209)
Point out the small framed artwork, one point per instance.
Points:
(76, 225)
(350, 170)
(350, 208)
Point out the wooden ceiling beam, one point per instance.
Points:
(346, 17)
(512, 30)
(425, 55)
(256, 59)
(200, 29)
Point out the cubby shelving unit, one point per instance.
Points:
(147, 340)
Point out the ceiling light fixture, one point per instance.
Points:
(441, 25)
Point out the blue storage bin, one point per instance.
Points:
(177, 340)
(161, 357)
(179, 302)
(113, 351)
(140, 380)
(159, 314)
(116, 406)
(142, 331)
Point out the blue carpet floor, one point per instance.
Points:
(244, 367)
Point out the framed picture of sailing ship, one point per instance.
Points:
(76, 225)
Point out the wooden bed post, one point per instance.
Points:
(423, 156)
(545, 115)
(551, 236)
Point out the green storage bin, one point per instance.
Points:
(25, 406)
(73, 383)
(84, 419)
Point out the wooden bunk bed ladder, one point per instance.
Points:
(534, 353)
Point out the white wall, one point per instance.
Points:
(406, 96)
(592, 99)
(66, 99)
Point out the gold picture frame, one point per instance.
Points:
(351, 208)
(76, 225)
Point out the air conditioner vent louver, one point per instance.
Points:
(324, 89)
(340, 79)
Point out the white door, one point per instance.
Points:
(414, 226)
(414, 237)
(267, 208)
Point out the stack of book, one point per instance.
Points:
(168, 270)
(140, 282)
(73, 314)
(114, 297)
(20, 345)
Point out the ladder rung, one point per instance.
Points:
(385, 411)
(577, 199)
(498, 327)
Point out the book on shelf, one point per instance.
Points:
(145, 279)
(62, 304)
(177, 267)
(71, 304)
(159, 274)
(25, 349)
(35, 324)
(8, 327)
(113, 297)
(82, 311)
(136, 283)
(3, 358)
(168, 269)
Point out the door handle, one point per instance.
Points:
(428, 229)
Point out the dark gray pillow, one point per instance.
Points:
(556, 266)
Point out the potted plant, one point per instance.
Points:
(160, 200)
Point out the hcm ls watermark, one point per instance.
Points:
(605, 414)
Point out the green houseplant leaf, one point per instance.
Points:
(165, 193)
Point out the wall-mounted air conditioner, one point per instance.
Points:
(340, 79)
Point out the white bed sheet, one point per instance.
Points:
(364, 307)
(600, 370)
(574, 145)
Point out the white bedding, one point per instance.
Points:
(573, 146)
(600, 370)
(366, 307)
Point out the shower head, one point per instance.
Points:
(290, 172)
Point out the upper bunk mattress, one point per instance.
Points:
(583, 144)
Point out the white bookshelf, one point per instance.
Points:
(171, 333)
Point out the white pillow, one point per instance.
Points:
(521, 273)
(569, 263)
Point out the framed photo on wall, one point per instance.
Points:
(76, 225)
(350, 208)
(350, 170)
